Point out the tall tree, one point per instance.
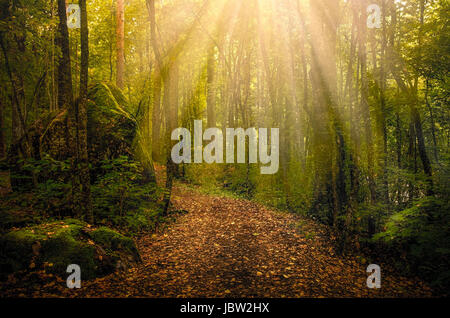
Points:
(65, 89)
(120, 43)
(156, 115)
(83, 158)
(365, 111)
(210, 99)
(2, 134)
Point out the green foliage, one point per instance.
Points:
(51, 193)
(423, 231)
(240, 179)
(121, 198)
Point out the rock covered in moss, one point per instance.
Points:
(59, 244)
(111, 134)
(119, 251)
(111, 128)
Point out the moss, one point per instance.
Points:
(63, 243)
(16, 249)
(66, 247)
(112, 240)
(56, 243)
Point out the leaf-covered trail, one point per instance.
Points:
(225, 247)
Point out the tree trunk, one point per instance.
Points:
(85, 180)
(156, 116)
(2, 135)
(65, 90)
(170, 165)
(210, 99)
(120, 38)
(365, 111)
(382, 95)
(365, 102)
(66, 101)
(433, 125)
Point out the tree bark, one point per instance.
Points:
(156, 118)
(210, 97)
(85, 180)
(156, 115)
(65, 89)
(120, 38)
(2, 135)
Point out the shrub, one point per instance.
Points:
(423, 232)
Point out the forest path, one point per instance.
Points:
(226, 247)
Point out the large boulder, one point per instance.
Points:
(111, 129)
(111, 133)
(54, 246)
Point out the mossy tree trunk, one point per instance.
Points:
(85, 180)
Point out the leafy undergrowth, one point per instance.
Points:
(227, 247)
(422, 232)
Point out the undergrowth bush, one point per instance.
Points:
(422, 232)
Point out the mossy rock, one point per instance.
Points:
(111, 134)
(111, 128)
(114, 242)
(56, 245)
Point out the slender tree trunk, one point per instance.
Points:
(120, 38)
(174, 109)
(352, 206)
(382, 89)
(2, 135)
(66, 101)
(65, 90)
(366, 111)
(416, 115)
(85, 180)
(433, 127)
(210, 99)
(365, 102)
(156, 116)
(170, 166)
